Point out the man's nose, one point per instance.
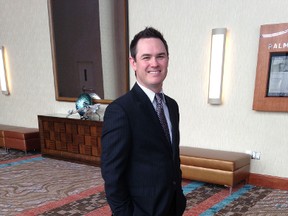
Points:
(154, 62)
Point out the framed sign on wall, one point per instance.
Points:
(271, 84)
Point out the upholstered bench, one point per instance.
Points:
(214, 166)
(22, 138)
(2, 129)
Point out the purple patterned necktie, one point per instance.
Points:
(161, 115)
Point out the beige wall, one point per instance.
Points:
(187, 25)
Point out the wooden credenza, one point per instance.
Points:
(70, 138)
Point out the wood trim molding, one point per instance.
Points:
(268, 181)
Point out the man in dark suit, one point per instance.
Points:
(140, 162)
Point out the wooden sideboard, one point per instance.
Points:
(70, 138)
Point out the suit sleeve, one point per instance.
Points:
(114, 159)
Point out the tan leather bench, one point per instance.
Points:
(22, 138)
(214, 166)
(2, 129)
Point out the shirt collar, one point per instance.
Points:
(149, 93)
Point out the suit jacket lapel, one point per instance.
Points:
(144, 103)
(173, 120)
(146, 106)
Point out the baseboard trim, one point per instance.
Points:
(268, 181)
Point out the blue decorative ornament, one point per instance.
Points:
(83, 101)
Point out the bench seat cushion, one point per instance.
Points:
(214, 166)
(2, 129)
(22, 138)
(22, 133)
(213, 159)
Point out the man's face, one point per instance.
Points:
(151, 63)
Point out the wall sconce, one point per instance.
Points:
(3, 78)
(216, 65)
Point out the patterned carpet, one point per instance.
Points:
(33, 185)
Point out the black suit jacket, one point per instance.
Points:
(141, 169)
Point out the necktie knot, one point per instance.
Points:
(159, 98)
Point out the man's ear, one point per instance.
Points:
(132, 63)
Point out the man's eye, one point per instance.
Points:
(161, 56)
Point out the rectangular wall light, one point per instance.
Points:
(3, 78)
(216, 65)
